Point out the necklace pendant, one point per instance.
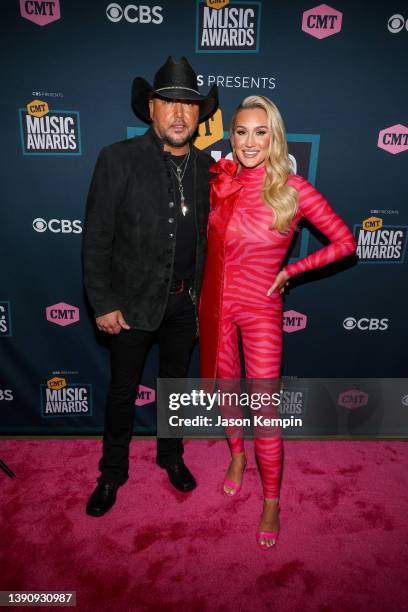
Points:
(183, 205)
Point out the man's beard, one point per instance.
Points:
(168, 139)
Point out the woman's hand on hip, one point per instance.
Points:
(281, 280)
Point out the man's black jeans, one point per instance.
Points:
(128, 350)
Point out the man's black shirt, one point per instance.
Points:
(186, 234)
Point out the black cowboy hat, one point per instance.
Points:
(172, 81)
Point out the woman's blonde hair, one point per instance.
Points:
(277, 194)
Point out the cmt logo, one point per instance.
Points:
(134, 14)
(393, 139)
(396, 23)
(38, 108)
(293, 321)
(322, 21)
(145, 395)
(56, 383)
(62, 314)
(365, 324)
(57, 226)
(39, 11)
(352, 399)
(217, 4)
(371, 224)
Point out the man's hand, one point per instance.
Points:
(112, 322)
(281, 280)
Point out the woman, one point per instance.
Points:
(256, 205)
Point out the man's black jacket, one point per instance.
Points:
(129, 243)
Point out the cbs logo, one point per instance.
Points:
(6, 395)
(134, 14)
(365, 324)
(58, 226)
(396, 23)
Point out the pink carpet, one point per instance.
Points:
(343, 542)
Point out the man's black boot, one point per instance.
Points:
(180, 476)
(102, 499)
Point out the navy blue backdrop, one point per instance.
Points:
(337, 73)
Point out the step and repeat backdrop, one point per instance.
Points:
(337, 72)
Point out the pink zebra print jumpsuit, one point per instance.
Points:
(252, 257)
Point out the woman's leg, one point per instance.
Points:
(229, 373)
(262, 343)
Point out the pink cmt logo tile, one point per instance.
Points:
(394, 139)
(293, 321)
(145, 395)
(352, 399)
(62, 314)
(41, 12)
(322, 21)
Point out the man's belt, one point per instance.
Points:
(178, 286)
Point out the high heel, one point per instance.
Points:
(270, 535)
(233, 485)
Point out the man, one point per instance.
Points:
(144, 250)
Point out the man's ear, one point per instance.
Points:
(151, 108)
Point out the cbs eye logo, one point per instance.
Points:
(57, 226)
(134, 14)
(365, 324)
(396, 23)
(40, 225)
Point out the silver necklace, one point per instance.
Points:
(179, 173)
